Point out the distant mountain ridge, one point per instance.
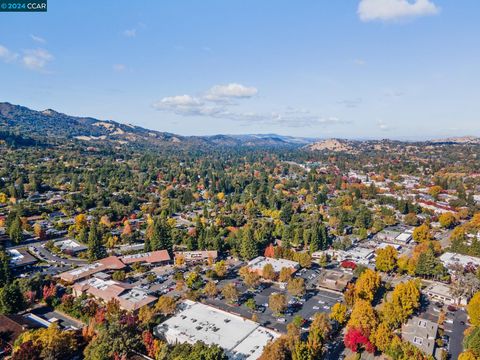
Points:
(458, 140)
(50, 126)
(53, 125)
(352, 146)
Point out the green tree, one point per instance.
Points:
(11, 299)
(161, 236)
(5, 272)
(15, 231)
(429, 265)
(96, 249)
(117, 337)
(248, 246)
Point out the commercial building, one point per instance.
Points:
(259, 263)
(154, 257)
(441, 292)
(69, 246)
(334, 280)
(129, 298)
(421, 333)
(20, 258)
(450, 260)
(115, 263)
(395, 235)
(239, 337)
(108, 263)
(359, 255)
(192, 257)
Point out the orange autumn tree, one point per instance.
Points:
(269, 251)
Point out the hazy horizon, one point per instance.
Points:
(356, 69)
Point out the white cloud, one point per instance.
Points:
(383, 126)
(38, 39)
(36, 59)
(388, 10)
(131, 33)
(210, 106)
(180, 104)
(7, 55)
(230, 91)
(119, 67)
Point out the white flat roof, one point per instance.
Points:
(449, 258)
(404, 237)
(15, 255)
(259, 262)
(241, 338)
(359, 252)
(384, 245)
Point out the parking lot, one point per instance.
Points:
(306, 307)
(455, 325)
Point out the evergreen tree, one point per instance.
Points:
(161, 238)
(286, 212)
(429, 265)
(96, 249)
(5, 273)
(11, 299)
(248, 247)
(15, 231)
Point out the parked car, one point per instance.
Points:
(452, 308)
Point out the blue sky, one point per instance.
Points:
(404, 69)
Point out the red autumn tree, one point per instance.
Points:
(269, 251)
(355, 340)
(49, 291)
(150, 344)
(30, 296)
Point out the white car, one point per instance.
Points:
(316, 308)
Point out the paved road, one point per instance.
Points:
(455, 331)
(444, 238)
(48, 256)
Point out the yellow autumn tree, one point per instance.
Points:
(53, 342)
(339, 313)
(80, 222)
(382, 337)
(467, 355)
(386, 259)
(447, 220)
(367, 285)
(473, 309)
(363, 317)
(406, 296)
(422, 233)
